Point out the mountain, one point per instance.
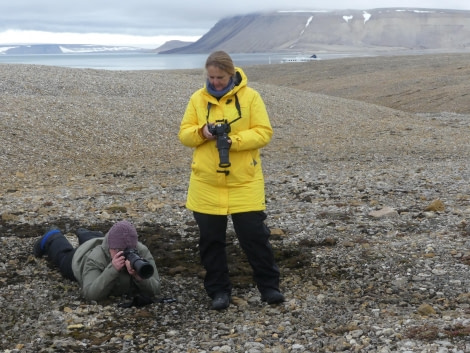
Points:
(172, 44)
(309, 31)
(64, 49)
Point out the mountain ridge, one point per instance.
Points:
(55, 49)
(307, 31)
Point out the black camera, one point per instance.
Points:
(220, 129)
(143, 268)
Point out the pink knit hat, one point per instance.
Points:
(122, 235)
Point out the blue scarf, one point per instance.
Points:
(217, 94)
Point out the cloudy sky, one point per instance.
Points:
(150, 23)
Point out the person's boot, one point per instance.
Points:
(84, 235)
(272, 296)
(42, 245)
(220, 301)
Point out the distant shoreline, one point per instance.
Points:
(153, 61)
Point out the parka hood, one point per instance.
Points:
(240, 80)
(105, 244)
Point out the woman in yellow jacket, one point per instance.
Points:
(226, 123)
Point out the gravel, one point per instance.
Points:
(369, 207)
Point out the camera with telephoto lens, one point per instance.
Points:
(220, 130)
(143, 268)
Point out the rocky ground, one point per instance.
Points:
(367, 181)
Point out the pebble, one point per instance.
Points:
(375, 223)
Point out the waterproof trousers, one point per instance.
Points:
(253, 235)
(60, 252)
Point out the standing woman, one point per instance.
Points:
(226, 123)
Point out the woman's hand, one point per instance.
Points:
(118, 261)
(132, 272)
(206, 134)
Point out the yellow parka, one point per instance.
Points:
(240, 187)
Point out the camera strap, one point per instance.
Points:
(209, 105)
(237, 105)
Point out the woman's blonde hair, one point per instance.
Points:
(221, 60)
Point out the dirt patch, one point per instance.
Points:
(177, 255)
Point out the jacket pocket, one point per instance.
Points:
(204, 165)
(244, 167)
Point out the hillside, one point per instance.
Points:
(427, 83)
(172, 44)
(341, 30)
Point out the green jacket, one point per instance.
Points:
(98, 279)
(211, 190)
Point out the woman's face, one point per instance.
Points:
(218, 78)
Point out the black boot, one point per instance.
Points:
(84, 235)
(272, 296)
(41, 245)
(220, 301)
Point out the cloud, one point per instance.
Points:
(137, 17)
(38, 37)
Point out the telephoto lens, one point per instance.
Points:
(221, 130)
(143, 268)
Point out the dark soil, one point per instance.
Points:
(177, 255)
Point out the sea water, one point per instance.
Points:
(133, 61)
(141, 61)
